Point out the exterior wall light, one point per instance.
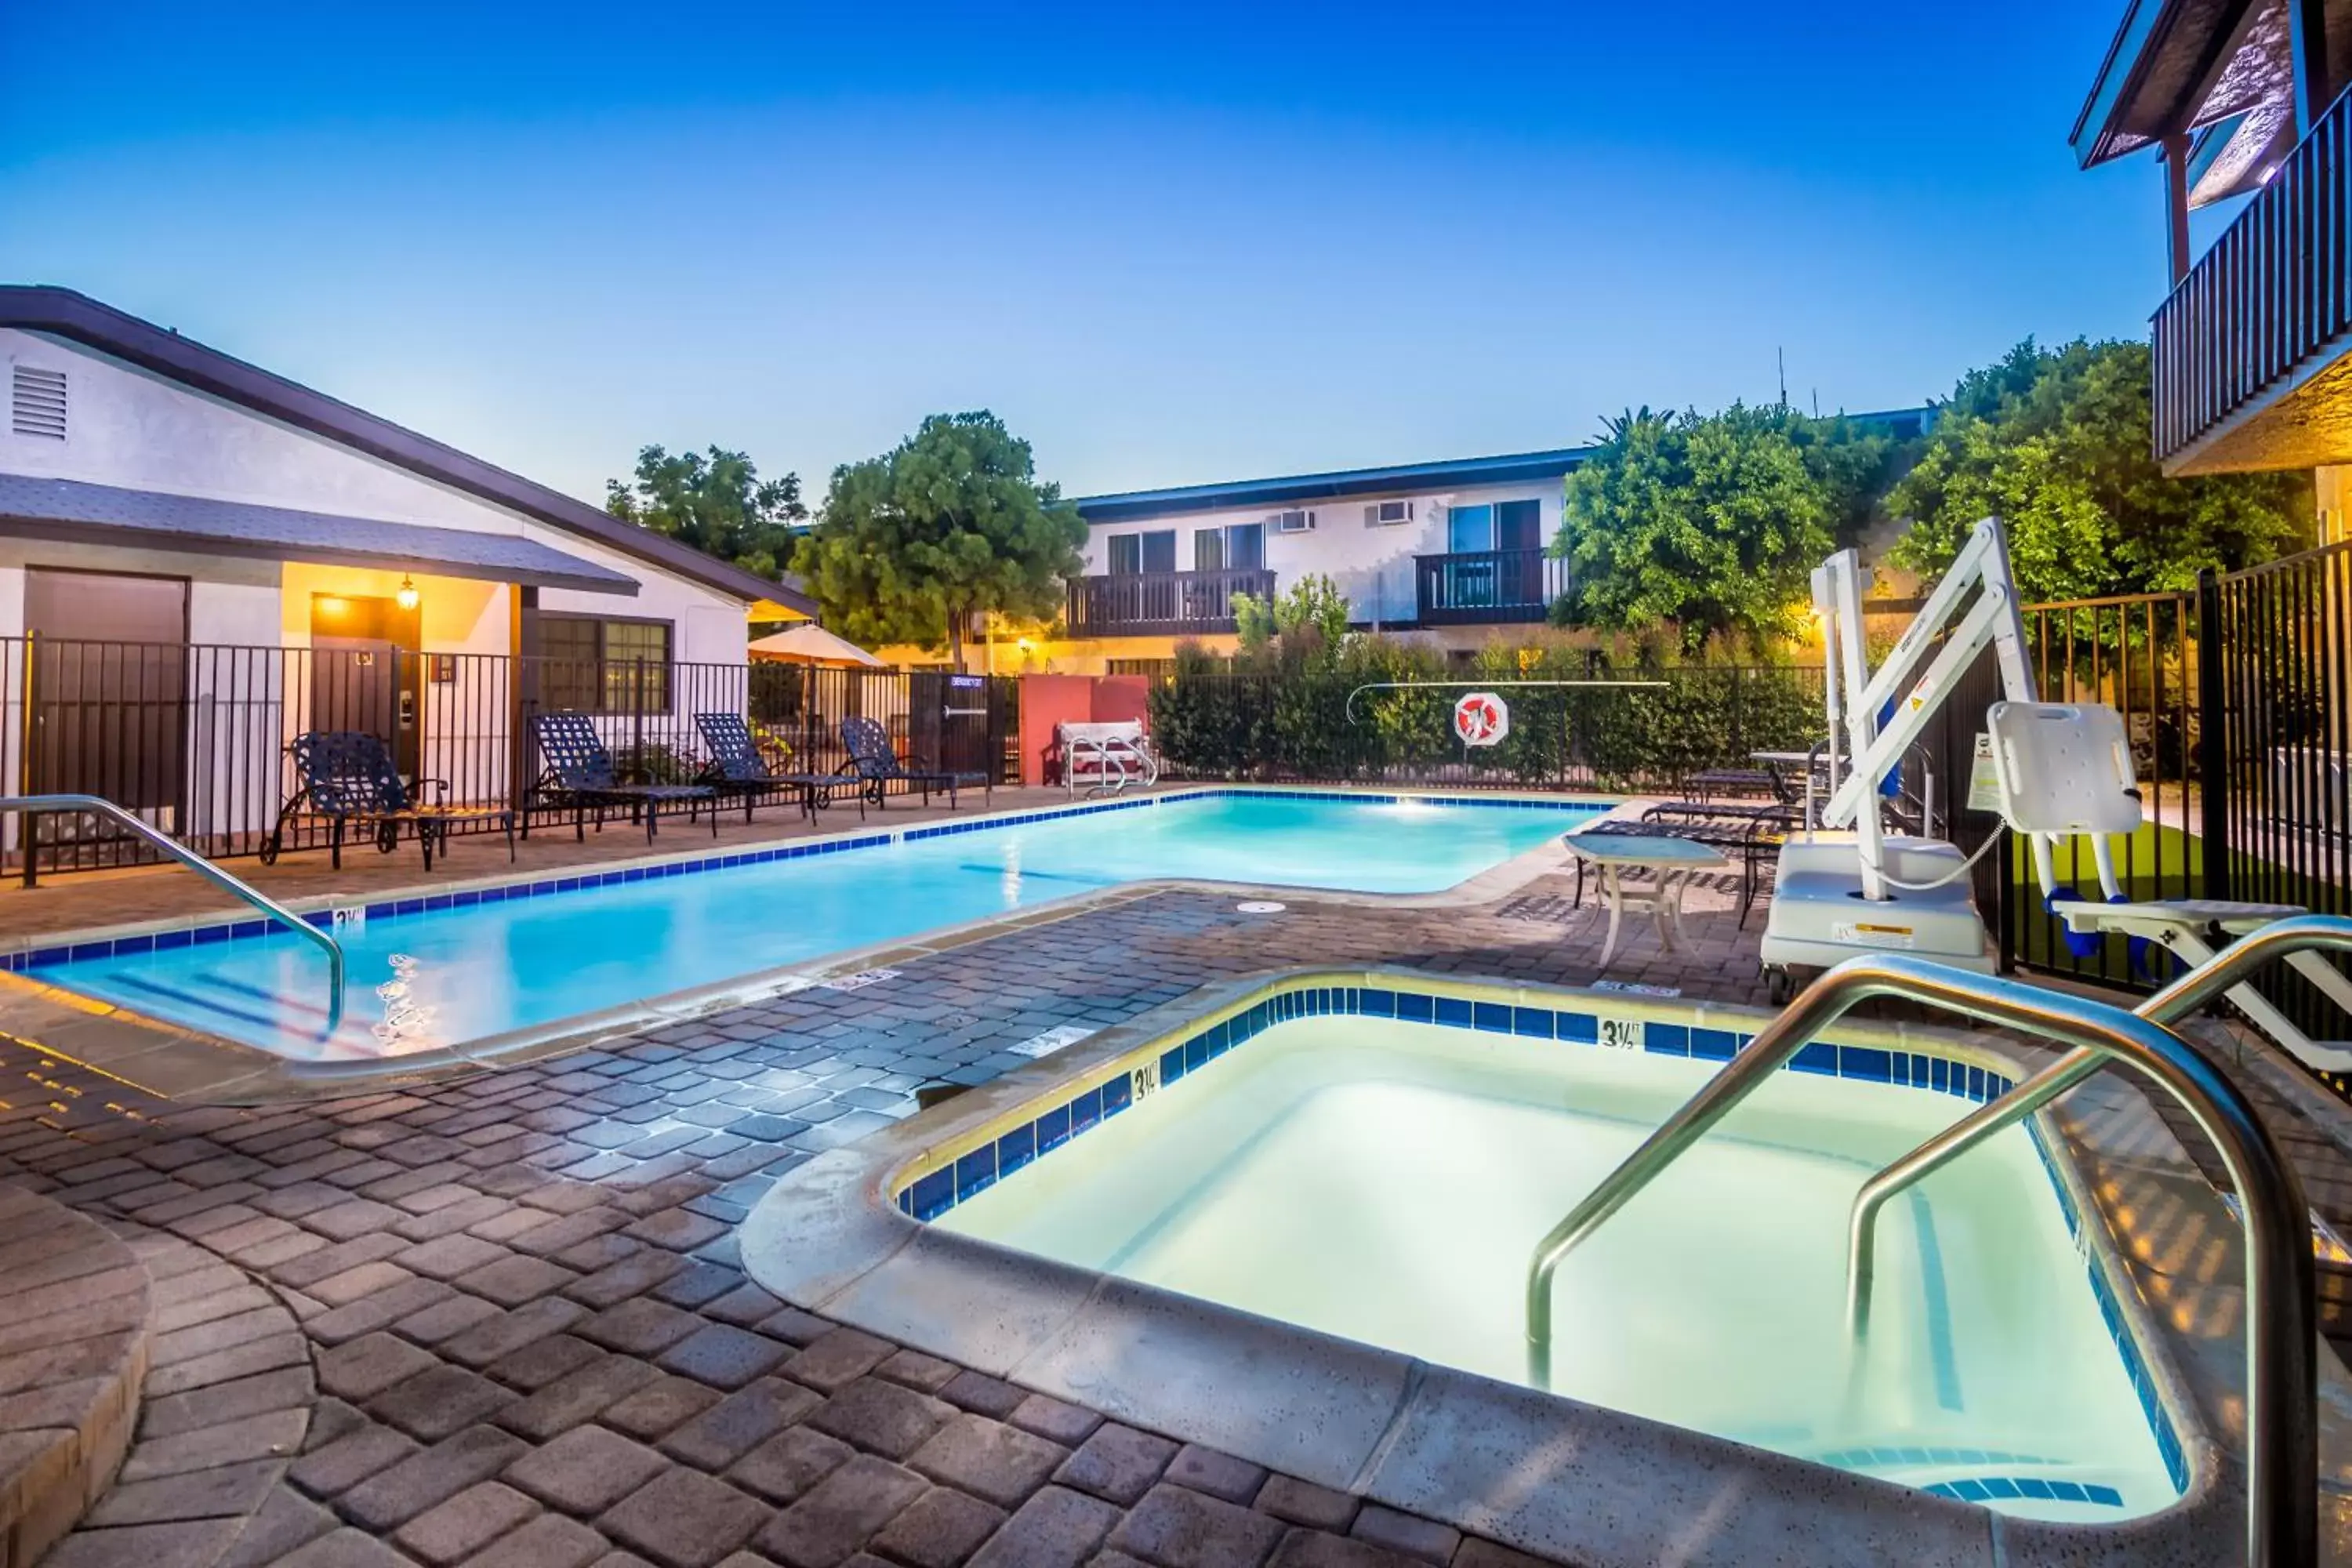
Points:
(407, 596)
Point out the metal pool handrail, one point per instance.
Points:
(2282, 1422)
(32, 805)
(2281, 938)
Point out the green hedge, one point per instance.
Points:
(1293, 721)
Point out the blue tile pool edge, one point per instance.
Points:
(968, 1164)
(72, 948)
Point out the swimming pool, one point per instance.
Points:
(473, 965)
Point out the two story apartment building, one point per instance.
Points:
(1447, 550)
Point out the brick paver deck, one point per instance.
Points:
(533, 1345)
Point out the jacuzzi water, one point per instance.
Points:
(491, 967)
(1386, 1181)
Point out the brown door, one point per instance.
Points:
(110, 687)
(365, 672)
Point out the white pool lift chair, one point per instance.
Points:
(2066, 769)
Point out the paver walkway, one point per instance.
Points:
(519, 1295)
(533, 1344)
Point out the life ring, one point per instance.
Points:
(1481, 719)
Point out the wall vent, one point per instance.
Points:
(36, 402)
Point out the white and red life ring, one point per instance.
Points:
(1481, 719)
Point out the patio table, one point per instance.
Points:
(1674, 861)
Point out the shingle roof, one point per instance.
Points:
(71, 508)
(64, 314)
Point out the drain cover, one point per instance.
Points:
(1260, 907)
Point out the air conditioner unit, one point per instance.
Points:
(1294, 522)
(1388, 513)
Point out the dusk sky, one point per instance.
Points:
(1166, 244)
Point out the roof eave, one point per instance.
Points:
(66, 313)
(70, 532)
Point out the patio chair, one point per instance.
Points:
(736, 767)
(579, 775)
(348, 776)
(876, 767)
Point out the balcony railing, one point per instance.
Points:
(2263, 306)
(1162, 603)
(1485, 587)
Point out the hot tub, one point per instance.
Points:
(1369, 1159)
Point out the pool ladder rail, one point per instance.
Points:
(34, 807)
(2282, 1420)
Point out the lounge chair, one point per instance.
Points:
(579, 775)
(1753, 832)
(876, 767)
(736, 767)
(348, 776)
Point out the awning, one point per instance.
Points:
(72, 511)
(812, 644)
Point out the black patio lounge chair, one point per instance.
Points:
(876, 767)
(579, 776)
(736, 767)
(348, 776)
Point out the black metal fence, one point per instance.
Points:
(193, 737)
(1319, 727)
(2276, 817)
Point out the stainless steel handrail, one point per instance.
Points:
(34, 806)
(2278, 940)
(2282, 1422)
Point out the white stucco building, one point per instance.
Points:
(243, 558)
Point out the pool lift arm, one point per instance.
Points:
(1834, 894)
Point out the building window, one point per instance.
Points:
(1506, 525)
(600, 665)
(1208, 550)
(1246, 547)
(1134, 552)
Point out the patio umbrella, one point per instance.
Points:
(809, 643)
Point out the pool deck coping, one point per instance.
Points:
(1429, 1439)
(179, 1062)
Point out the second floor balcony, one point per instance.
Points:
(2254, 349)
(1486, 587)
(1162, 603)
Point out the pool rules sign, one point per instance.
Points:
(1481, 719)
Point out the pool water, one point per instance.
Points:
(1386, 1181)
(487, 969)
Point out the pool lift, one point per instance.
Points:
(1847, 884)
(2060, 771)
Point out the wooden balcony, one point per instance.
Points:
(1161, 603)
(1486, 587)
(2253, 350)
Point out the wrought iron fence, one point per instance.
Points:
(1305, 727)
(2275, 815)
(193, 737)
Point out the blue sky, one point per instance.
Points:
(1168, 244)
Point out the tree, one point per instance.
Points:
(2054, 442)
(950, 523)
(1311, 618)
(718, 504)
(1712, 521)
